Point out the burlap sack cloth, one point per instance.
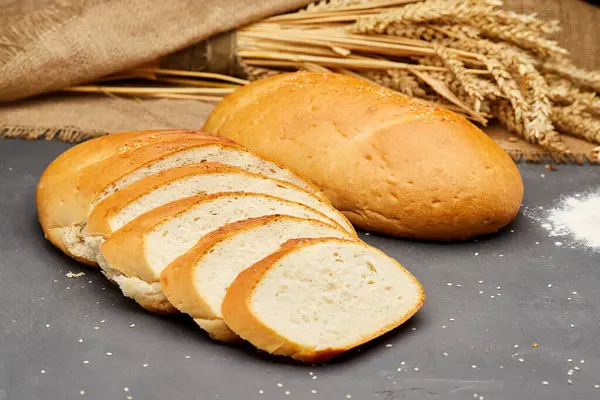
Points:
(47, 44)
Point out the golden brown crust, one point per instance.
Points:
(177, 279)
(98, 221)
(392, 164)
(70, 182)
(238, 314)
(125, 249)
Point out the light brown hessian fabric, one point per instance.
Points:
(46, 44)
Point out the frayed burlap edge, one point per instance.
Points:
(73, 134)
(69, 134)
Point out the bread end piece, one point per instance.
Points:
(239, 315)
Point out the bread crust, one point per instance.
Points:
(70, 182)
(98, 222)
(390, 163)
(238, 314)
(125, 249)
(177, 279)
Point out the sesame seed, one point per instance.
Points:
(576, 368)
(575, 293)
(388, 345)
(96, 328)
(476, 254)
(502, 367)
(399, 369)
(582, 361)
(498, 288)
(544, 382)
(132, 325)
(103, 321)
(348, 396)
(287, 392)
(402, 363)
(480, 282)
(144, 365)
(549, 285)
(596, 386)
(416, 369)
(516, 346)
(314, 377)
(537, 242)
(47, 325)
(570, 372)
(446, 354)
(86, 362)
(473, 366)
(126, 389)
(261, 391)
(313, 391)
(80, 340)
(280, 384)
(572, 325)
(451, 319)
(188, 357)
(481, 292)
(570, 382)
(43, 371)
(449, 284)
(474, 395)
(109, 353)
(570, 360)
(129, 397)
(492, 296)
(444, 327)
(82, 392)
(367, 234)
(310, 373)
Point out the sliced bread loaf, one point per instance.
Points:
(227, 153)
(196, 282)
(153, 191)
(63, 197)
(135, 255)
(316, 298)
(107, 177)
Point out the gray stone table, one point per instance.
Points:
(60, 336)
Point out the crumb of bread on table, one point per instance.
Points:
(74, 275)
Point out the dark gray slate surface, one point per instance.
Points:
(47, 321)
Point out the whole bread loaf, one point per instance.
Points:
(390, 163)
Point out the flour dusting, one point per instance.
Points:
(576, 217)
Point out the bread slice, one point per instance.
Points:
(135, 255)
(153, 191)
(196, 282)
(61, 196)
(105, 178)
(316, 298)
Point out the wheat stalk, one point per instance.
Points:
(575, 121)
(470, 56)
